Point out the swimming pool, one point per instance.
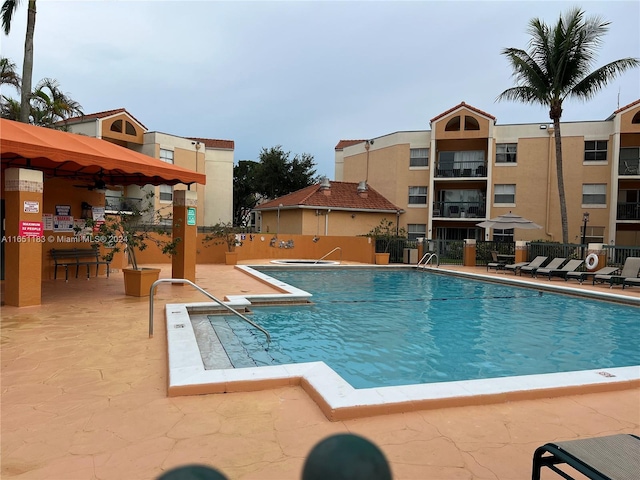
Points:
(400, 327)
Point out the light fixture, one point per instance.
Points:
(543, 127)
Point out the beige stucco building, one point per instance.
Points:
(212, 157)
(467, 168)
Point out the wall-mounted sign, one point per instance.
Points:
(47, 219)
(31, 206)
(63, 223)
(31, 229)
(64, 210)
(191, 216)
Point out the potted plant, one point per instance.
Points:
(225, 233)
(384, 233)
(131, 229)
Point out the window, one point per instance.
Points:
(629, 161)
(416, 230)
(471, 123)
(504, 194)
(166, 193)
(594, 194)
(166, 155)
(419, 157)
(595, 151)
(116, 126)
(453, 125)
(503, 235)
(594, 234)
(417, 195)
(506, 152)
(129, 128)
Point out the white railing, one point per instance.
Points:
(428, 258)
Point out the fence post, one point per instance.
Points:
(520, 251)
(469, 253)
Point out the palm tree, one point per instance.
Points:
(557, 66)
(7, 10)
(49, 105)
(8, 74)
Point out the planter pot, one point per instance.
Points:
(231, 258)
(138, 282)
(382, 258)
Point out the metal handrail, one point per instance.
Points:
(429, 257)
(325, 256)
(219, 302)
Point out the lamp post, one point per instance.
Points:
(278, 227)
(367, 145)
(585, 220)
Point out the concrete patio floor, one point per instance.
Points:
(84, 397)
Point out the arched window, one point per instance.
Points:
(130, 129)
(471, 123)
(636, 118)
(116, 126)
(453, 125)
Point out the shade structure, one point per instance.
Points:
(68, 155)
(507, 221)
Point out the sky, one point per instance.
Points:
(304, 74)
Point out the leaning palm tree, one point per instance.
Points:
(7, 10)
(557, 66)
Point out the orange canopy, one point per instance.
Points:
(63, 154)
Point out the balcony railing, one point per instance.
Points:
(461, 169)
(459, 210)
(628, 211)
(122, 204)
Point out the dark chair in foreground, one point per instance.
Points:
(346, 457)
(611, 457)
(630, 269)
(582, 276)
(535, 263)
(570, 266)
(495, 263)
(553, 264)
(192, 472)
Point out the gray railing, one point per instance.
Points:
(459, 209)
(219, 302)
(628, 211)
(461, 169)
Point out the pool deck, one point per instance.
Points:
(84, 396)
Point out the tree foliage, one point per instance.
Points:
(558, 66)
(274, 175)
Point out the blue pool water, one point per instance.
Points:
(397, 327)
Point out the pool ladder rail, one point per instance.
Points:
(219, 302)
(427, 258)
(325, 256)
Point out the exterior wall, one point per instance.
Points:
(90, 129)
(218, 192)
(122, 137)
(534, 174)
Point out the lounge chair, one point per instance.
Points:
(570, 266)
(535, 263)
(631, 282)
(630, 269)
(582, 276)
(612, 456)
(495, 263)
(555, 263)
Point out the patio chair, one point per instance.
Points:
(553, 264)
(495, 263)
(582, 276)
(454, 211)
(631, 282)
(630, 269)
(612, 456)
(535, 263)
(570, 266)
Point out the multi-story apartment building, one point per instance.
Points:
(466, 168)
(212, 157)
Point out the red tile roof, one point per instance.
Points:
(106, 113)
(344, 195)
(632, 104)
(213, 143)
(460, 105)
(347, 143)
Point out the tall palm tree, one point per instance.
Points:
(7, 10)
(557, 66)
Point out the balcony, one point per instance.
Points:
(628, 211)
(459, 210)
(461, 169)
(122, 204)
